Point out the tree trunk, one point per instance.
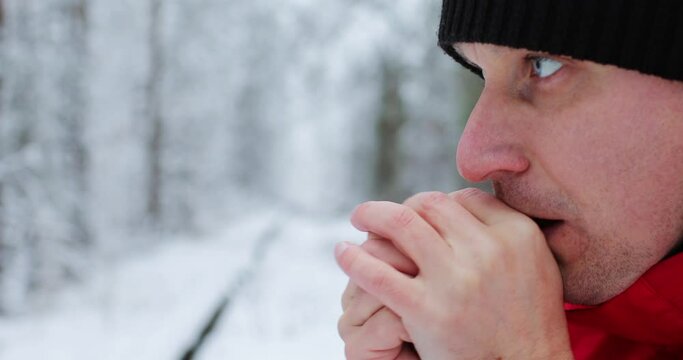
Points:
(154, 116)
(2, 14)
(73, 116)
(2, 121)
(391, 120)
(3, 205)
(16, 136)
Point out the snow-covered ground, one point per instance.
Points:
(290, 309)
(155, 305)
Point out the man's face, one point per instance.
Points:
(595, 148)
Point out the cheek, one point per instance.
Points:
(621, 164)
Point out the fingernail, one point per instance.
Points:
(340, 248)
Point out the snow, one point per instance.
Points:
(249, 118)
(290, 310)
(153, 306)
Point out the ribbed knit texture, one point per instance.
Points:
(642, 35)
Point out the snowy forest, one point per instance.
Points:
(160, 137)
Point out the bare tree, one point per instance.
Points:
(2, 77)
(154, 114)
(391, 119)
(72, 115)
(18, 120)
(249, 165)
(3, 224)
(46, 236)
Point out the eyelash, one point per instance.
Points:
(528, 59)
(531, 58)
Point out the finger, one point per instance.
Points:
(349, 293)
(450, 219)
(381, 337)
(384, 250)
(360, 309)
(406, 230)
(484, 206)
(391, 287)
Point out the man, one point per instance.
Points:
(580, 129)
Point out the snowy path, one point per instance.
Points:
(290, 309)
(283, 300)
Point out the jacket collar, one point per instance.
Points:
(649, 311)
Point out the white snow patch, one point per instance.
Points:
(153, 306)
(149, 307)
(290, 309)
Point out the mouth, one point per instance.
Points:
(547, 225)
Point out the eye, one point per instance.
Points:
(544, 67)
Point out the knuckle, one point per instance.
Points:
(384, 285)
(494, 247)
(471, 281)
(403, 217)
(495, 260)
(341, 327)
(427, 200)
(467, 194)
(378, 249)
(349, 294)
(381, 329)
(344, 328)
(494, 253)
(381, 284)
(523, 228)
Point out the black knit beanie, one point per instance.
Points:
(642, 35)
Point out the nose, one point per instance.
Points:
(491, 145)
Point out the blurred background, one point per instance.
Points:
(174, 174)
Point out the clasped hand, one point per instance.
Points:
(458, 276)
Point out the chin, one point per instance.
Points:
(594, 282)
(593, 270)
(580, 294)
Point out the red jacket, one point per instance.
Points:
(643, 322)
